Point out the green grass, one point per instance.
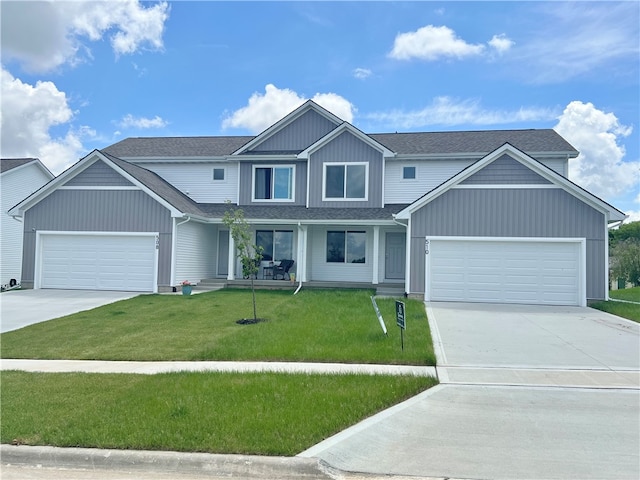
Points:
(267, 414)
(313, 326)
(629, 311)
(629, 294)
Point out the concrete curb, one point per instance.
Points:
(244, 466)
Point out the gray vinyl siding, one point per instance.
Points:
(246, 173)
(297, 136)
(346, 148)
(98, 211)
(505, 171)
(98, 175)
(511, 213)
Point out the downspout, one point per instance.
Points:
(174, 243)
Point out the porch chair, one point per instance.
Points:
(282, 269)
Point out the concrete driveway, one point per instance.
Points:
(526, 393)
(20, 308)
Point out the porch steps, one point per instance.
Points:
(390, 291)
(210, 285)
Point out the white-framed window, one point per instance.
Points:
(273, 183)
(345, 181)
(409, 173)
(346, 246)
(218, 174)
(276, 244)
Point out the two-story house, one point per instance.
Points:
(485, 216)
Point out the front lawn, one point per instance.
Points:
(629, 294)
(313, 326)
(255, 413)
(630, 311)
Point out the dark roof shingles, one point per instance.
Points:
(7, 164)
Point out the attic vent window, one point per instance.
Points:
(218, 174)
(409, 173)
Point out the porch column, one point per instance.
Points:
(231, 265)
(302, 253)
(376, 254)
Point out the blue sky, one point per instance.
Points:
(83, 75)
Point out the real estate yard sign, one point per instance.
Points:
(400, 320)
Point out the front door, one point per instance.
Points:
(395, 253)
(223, 253)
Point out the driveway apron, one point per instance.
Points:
(526, 392)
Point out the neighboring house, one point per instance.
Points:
(486, 216)
(19, 178)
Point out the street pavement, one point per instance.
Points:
(526, 393)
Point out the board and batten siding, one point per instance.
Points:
(295, 137)
(246, 183)
(98, 174)
(196, 180)
(505, 171)
(346, 148)
(508, 212)
(99, 211)
(322, 271)
(196, 247)
(15, 185)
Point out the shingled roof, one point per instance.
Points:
(7, 164)
(429, 143)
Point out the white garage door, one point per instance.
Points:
(98, 262)
(505, 271)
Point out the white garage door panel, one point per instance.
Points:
(533, 272)
(99, 262)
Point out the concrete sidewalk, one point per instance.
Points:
(149, 368)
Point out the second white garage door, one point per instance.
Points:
(126, 262)
(531, 271)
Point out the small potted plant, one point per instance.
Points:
(186, 287)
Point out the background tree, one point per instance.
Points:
(624, 250)
(247, 251)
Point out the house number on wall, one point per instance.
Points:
(426, 247)
(157, 242)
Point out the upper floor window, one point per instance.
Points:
(274, 184)
(345, 181)
(218, 174)
(408, 173)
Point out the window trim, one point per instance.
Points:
(224, 175)
(344, 198)
(292, 167)
(415, 173)
(346, 243)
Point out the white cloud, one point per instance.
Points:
(432, 43)
(45, 35)
(449, 111)
(129, 121)
(600, 167)
(362, 73)
(28, 114)
(263, 110)
(501, 43)
(571, 41)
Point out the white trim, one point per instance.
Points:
(376, 252)
(345, 199)
(37, 279)
(607, 280)
(513, 186)
(98, 187)
(346, 126)
(582, 268)
(292, 167)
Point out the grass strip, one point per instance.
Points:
(263, 414)
(629, 294)
(629, 311)
(313, 326)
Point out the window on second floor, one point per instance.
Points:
(276, 244)
(346, 246)
(345, 181)
(273, 184)
(408, 173)
(218, 174)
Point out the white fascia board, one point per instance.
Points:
(265, 158)
(346, 126)
(288, 119)
(33, 162)
(529, 162)
(474, 155)
(216, 159)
